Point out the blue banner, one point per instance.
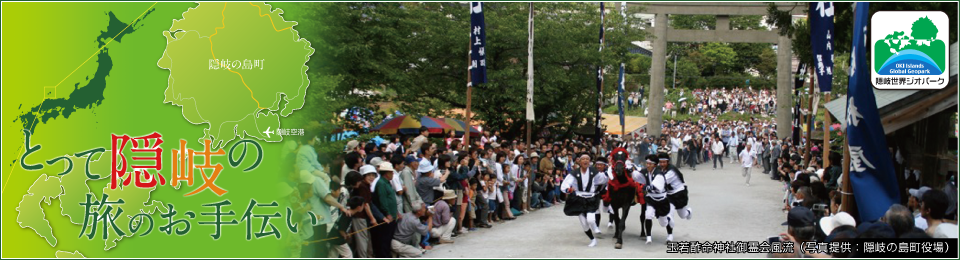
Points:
(821, 38)
(478, 40)
(871, 169)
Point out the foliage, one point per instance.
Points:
(417, 50)
(329, 150)
(841, 64)
(767, 67)
(923, 28)
(799, 32)
(688, 75)
(716, 59)
(638, 64)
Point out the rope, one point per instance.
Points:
(350, 234)
(354, 232)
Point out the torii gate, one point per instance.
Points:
(723, 11)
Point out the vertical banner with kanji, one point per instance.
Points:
(599, 131)
(798, 83)
(478, 39)
(821, 38)
(871, 170)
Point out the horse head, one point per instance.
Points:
(619, 157)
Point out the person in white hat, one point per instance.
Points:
(385, 200)
(829, 223)
(368, 169)
(352, 146)
(443, 221)
(914, 204)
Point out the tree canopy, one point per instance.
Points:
(414, 56)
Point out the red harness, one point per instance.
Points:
(614, 185)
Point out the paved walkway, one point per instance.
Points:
(723, 209)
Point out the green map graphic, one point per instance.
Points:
(94, 85)
(72, 189)
(238, 99)
(65, 254)
(922, 37)
(89, 95)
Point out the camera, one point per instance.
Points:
(819, 209)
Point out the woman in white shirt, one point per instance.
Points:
(502, 182)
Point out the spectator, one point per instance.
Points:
(900, 219)
(800, 228)
(913, 203)
(426, 183)
(538, 188)
(405, 242)
(307, 158)
(444, 223)
(342, 226)
(420, 140)
(933, 206)
(410, 194)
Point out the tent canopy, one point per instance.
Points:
(612, 123)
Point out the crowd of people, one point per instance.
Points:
(812, 194)
(403, 196)
(713, 102)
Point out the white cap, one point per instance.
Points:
(425, 166)
(367, 169)
(386, 166)
(376, 161)
(840, 219)
(919, 192)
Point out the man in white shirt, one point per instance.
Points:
(747, 158)
(732, 145)
(675, 144)
(717, 148)
(933, 206)
(914, 205)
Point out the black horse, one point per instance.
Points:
(622, 192)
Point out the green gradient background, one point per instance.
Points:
(42, 44)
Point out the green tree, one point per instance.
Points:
(414, 55)
(719, 57)
(767, 67)
(638, 64)
(747, 22)
(923, 28)
(693, 22)
(687, 73)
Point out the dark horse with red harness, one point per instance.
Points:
(622, 192)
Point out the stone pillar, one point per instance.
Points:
(657, 76)
(784, 88)
(723, 23)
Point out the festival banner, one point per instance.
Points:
(871, 170)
